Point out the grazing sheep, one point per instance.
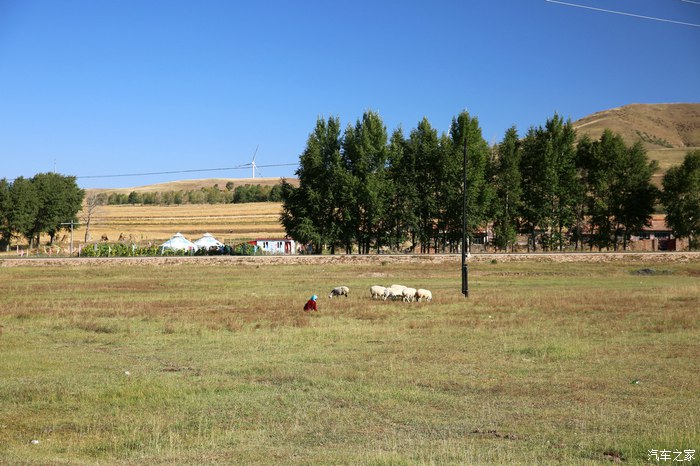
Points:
(398, 287)
(339, 291)
(377, 291)
(391, 293)
(424, 294)
(408, 294)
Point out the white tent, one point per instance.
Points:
(178, 243)
(207, 241)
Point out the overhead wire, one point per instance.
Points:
(634, 15)
(173, 172)
(239, 167)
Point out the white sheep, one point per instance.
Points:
(394, 292)
(408, 294)
(424, 294)
(391, 293)
(339, 291)
(377, 291)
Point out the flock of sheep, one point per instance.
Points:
(393, 292)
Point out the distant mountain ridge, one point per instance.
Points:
(658, 126)
(188, 185)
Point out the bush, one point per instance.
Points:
(118, 250)
(132, 250)
(245, 249)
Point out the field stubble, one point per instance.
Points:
(559, 363)
(143, 224)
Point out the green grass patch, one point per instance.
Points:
(545, 363)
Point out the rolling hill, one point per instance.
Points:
(667, 131)
(658, 126)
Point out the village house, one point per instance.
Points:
(275, 245)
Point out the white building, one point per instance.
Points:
(275, 245)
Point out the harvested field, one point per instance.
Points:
(230, 223)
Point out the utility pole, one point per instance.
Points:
(71, 223)
(465, 266)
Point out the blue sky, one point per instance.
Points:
(116, 87)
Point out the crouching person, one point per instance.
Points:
(311, 304)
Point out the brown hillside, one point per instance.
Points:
(658, 126)
(189, 185)
(668, 131)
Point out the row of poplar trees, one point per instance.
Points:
(362, 189)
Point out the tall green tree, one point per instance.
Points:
(60, 200)
(634, 195)
(479, 191)
(597, 158)
(5, 231)
(584, 154)
(508, 190)
(22, 209)
(296, 216)
(364, 156)
(310, 212)
(448, 194)
(403, 205)
(422, 151)
(620, 195)
(550, 181)
(681, 198)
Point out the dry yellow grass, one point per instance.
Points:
(668, 131)
(667, 158)
(660, 125)
(228, 222)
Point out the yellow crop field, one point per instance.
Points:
(145, 223)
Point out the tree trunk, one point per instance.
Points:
(87, 230)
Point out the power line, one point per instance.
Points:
(173, 172)
(239, 167)
(653, 18)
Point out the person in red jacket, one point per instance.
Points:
(311, 304)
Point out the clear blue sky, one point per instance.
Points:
(112, 87)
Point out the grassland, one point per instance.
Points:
(656, 125)
(667, 131)
(205, 363)
(667, 158)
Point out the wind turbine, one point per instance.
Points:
(252, 162)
